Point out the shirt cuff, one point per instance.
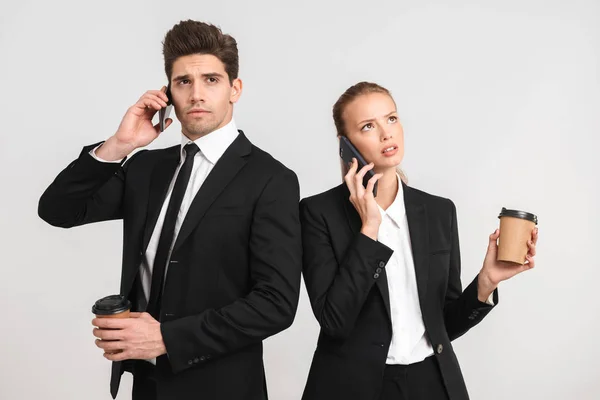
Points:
(490, 299)
(95, 157)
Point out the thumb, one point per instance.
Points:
(135, 314)
(493, 244)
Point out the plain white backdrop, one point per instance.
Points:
(501, 107)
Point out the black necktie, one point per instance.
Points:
(162, 252)
(168, 230)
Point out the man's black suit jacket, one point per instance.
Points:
(234, 273)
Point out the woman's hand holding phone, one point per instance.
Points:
(136, 128)
(362, 198)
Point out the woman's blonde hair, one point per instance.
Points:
(360, 89)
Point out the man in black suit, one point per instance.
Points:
(212, 243)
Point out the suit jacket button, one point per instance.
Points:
(196, 360)
(190, 362)
(440, 348)
(376, 276)
(381, 264)
(378, 270)
(202, 358)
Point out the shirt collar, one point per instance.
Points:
(215, 143)
(396, 211)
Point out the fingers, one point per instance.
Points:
(371, 184)
(111, 346)
(109, 334)
(120, 356)
(153, 100)
(111, 323)
(168, 123)
(531, 262)
(534, 235)
(494, 236)
(361, 174)
(532, 248)
(161, 94)
(493, 242)
(142, 315)
(358, 179)
(531, 244)
(153, 103)
(531, 254)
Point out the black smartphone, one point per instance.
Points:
(347, 152)
(163, 113)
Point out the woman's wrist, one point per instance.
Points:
(370, 230)
(485, 287)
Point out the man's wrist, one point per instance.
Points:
(113, 150)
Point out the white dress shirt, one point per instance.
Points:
(212, 147)
(409, 342)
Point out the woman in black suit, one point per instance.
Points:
(383, 273)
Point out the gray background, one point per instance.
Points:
(500, 105)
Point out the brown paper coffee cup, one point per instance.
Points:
(515, 231)
(114, 306)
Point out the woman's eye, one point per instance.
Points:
(367, 127)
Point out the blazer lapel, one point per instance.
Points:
(162, 175)
(232, 161)
(416, 213)
(355, 223)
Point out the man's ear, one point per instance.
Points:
(236, 90)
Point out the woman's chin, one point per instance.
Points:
(388, 163)
(385, 168)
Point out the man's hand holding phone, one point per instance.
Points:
(136, 128)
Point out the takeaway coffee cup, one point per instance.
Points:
(515, 231)
(114, 306)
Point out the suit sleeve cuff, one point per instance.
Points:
(490, 299)
(95, 156)
(472, 297)
(182, 347)
(375, 253)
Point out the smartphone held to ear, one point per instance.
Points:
(163, 113)
(347, 152)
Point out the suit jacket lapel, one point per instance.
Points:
(232, 161)
(416, 213)
(162, 175)
(355, 223)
